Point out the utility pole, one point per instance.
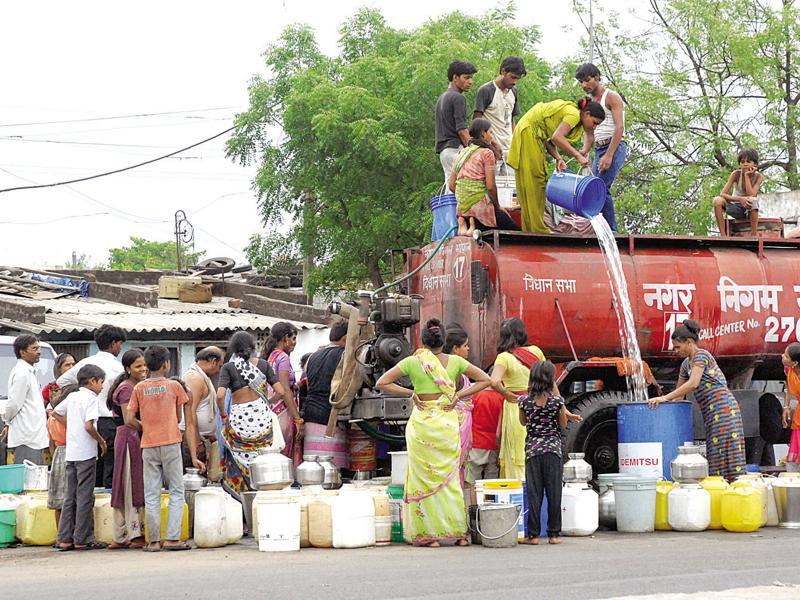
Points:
(74, 260)
(184, 232)
(591, 33)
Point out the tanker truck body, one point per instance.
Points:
(745, 294)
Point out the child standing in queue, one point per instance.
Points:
(544, 415)
(159, 401)
(79, 413)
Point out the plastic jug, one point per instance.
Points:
(210, 518)
(353, 519)
(382, 506)
(36, 524)
(278, 517)
(689, 507)
(164, 511)
(716, 486)
(579, 510)
(663, 488)
(758, 482)
(233, 519)
(103, 518)
(396, 502)
(741, 508)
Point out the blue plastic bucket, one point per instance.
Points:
(12, 479)
(648, 438)
(583, 195)
(542, 512)
(444, 208)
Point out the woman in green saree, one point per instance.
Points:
(434, 498)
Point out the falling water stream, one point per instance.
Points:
(622, 305)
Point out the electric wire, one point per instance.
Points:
(115, 171)
(116, 117)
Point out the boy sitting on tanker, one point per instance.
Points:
(743, 202)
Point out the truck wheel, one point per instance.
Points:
(596, 435)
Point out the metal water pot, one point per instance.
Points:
(333, 477)
(607, 508)
(271, 470)
(193, 481)
(576, 469)
(689, 466)
(310, 472)
(787, 501)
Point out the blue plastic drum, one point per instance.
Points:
(648, 438)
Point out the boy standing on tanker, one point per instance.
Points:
(610, 147)
(160, 402)
(745, 183)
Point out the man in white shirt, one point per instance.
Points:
(497, 101)
(200, 416)
(109, 340)
(25, 414)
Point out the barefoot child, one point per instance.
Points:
(543, 414)
(745, 183)
(791, 361)
(159, 401)
(79, 413)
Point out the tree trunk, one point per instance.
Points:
(373, 268)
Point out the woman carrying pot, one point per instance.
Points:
(249, 423)
(722, 417)
(433, 493)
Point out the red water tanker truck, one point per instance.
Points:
(745, 293)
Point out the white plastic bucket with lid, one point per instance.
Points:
(399, 467)
(635, 504)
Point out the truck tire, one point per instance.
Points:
(596, 435)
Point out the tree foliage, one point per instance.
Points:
(143, 254)
(344, 144)
(701, 80)
(274, 254)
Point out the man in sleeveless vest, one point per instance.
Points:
(199, 415)
(610, 147)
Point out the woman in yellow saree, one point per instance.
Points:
(545, 129)
(435, 509)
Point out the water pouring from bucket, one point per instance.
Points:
(585, 195)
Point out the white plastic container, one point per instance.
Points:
(689, 507)
(278, 517)
(210, 518)
(383, 531)
(35, 477)
(772, 508)
(234, 518)
(579, 510)
(399, 467)
(353, 520)
(103, 518)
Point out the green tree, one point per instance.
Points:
(274, 254)
(353, 165)
(143, 254)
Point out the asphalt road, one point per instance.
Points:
(606, 565)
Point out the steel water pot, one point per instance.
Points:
(607, 508)
(193, 481)
(787, 501)
(310, 471)
(271, 470)
(333, 477)
(689, 466)
(576, 469)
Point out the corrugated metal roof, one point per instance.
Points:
(75, 315)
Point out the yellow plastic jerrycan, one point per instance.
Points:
(164, 511)
(741, 507)
(36, 524)
(716, 486)
(758, 482)
(103, 518)
(663, 488)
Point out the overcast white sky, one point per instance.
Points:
(83, 60)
